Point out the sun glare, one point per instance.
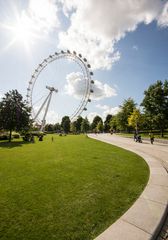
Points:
(22, 34)
(22, 31)
(28, 26)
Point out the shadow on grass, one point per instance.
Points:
(6, 144)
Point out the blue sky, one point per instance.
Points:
(125, 42)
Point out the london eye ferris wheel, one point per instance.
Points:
(61, 85)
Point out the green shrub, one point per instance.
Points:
(15, 135)
(4, 137)
(27, 137)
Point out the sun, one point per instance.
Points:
(22, 31)
(31, 25)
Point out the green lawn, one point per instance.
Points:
(69, 189)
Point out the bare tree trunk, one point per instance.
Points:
(136, 128)
(10, 135)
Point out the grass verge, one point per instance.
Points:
(70, 189)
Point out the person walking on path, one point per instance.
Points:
(135, 136)
(151, 135)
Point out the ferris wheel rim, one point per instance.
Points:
(86, 72)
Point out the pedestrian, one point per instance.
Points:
(52, 139)
(139, 139)
(151, 135)
(135, 136)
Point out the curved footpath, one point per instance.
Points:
(147, 215)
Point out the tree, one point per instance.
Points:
(14, 113)
(155, 105)
(96, 120)
(122, 117)
(78, 124)
(49, 127)
(73, 127)
(107, 123)
(113, 123)
(65, 124)
(135, 119)
(85, 126)
(99, 127)
(57, 127)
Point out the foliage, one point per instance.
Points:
(113, 123)
(78, 124)
(27, 137)
(85, 126)
(73, 127)
(15, 135)
(4, 136)
(65, 124)
(49, 127)
(72, 188)
(135, 119)
(57, 127)
(14, 113)
(126, 110)
(99, 127)
(107, 123)
(155, 105)
(95, 121)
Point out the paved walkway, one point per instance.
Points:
(144, 219)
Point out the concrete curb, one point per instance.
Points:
(145, 218)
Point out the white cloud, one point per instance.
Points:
(102, 91)
(103, 107)
(100, 53)
(1, 96)
(43, 13)
(108, 110)
(75, 86)
(34, 23)
(69, 5)
(163, 18)
(92, 115)
(51, 117)
(95, 26)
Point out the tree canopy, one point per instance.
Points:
(49, 127)
(155, 104)
(65, 124)
(57, 127)
(95, 121)
(85, 126)
(126, 109)
(73, 127)
(135, 119)
(78, 124)
(107, 123)
(99, 127)
(14, 113)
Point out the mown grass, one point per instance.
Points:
(69, 189)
